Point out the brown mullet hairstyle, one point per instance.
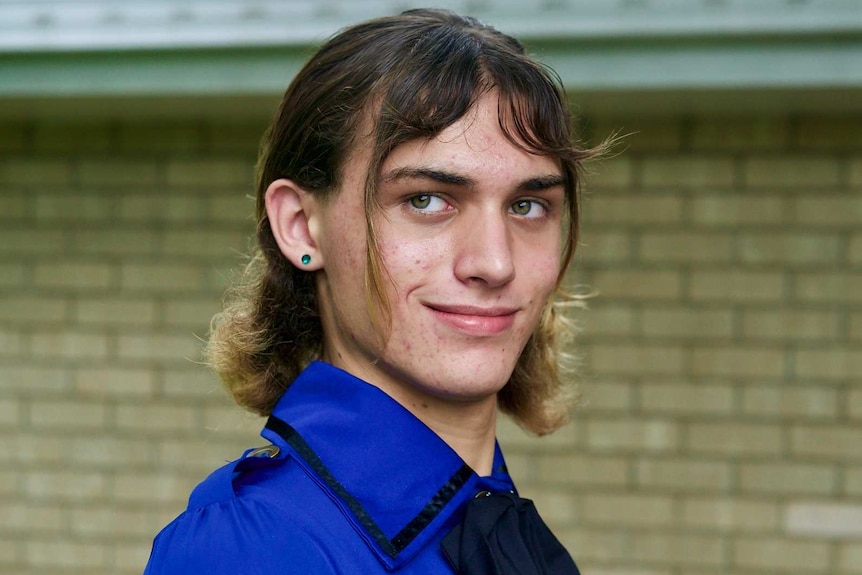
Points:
(400, 78)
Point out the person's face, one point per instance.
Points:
(470, 231)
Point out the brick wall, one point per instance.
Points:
(721, 427)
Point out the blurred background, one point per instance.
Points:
(721, 424)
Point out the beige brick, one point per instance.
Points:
(8, 486)
(593, 545)
(110, 311)
(555, 506)
(856, 173)
(10, 412)
(74, 207)
(40, 172)
(687, 323)
(832, 288)
(119, 172)
(836, 363)
(64, 485)
(678, 549)
(130, 557)
(641, 209)
(828, 133)
(34, 380)
(72, 276)
(115, 242)
(607, 395)
(734, 361)
(22, 450)
(790, 249)
(203, 244)
(736, 285)
(609, 319)
(850, 557)
(26, 241)
(68, 414)
(13, 205)
(787, 478)
(12, 275)
(581, 470)
(72, 137)
(828, 442)
(11, 342)
(727, 514)
(792, 172)
(830, 210)
(772, 554)
(604, 247)
(824, 520)
(687, 171)
(683, 475)
(567, 437)
(32, 309)
(70, 345)
(632, 435)
(736, 210)
(614, 172)
(14, 136)
(637, 284)
(67, 554)
(855, 250)
(735, 438)
(755, 133)
(107, 522)
(108, 452)
(160, 347)
(180, 207)
(856, 326)
(853, 480)
(685, 398)
(212, 173)
(686, 247)
(791, 325)
(636, 360)
(150, 488)
(854, 403)
(628, 510)
(230, 419)
(160, 137)
(634, 571)
(234, 208)
(28, 517)
(241, 135)
(161, 278)
(790, 403)
(191, 382)
(155, 418)
(641, 133)
(200, 455)
(114, 382)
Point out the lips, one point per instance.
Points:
(475, 320)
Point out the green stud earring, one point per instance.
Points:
(306, 259)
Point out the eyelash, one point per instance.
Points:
(431, 198)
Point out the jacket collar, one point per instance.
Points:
(399, 484)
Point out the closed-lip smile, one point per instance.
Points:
(475, 320)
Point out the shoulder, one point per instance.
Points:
(234, 523)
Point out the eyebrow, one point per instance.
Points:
(536, 184)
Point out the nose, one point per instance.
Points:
(483, 253)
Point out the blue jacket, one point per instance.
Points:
(353, 483)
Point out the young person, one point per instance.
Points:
(417, 207)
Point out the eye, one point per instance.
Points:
(428, 203)
(528, 208)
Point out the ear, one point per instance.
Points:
(293, 216)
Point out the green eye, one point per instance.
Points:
(523, 207)
(420, 202)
